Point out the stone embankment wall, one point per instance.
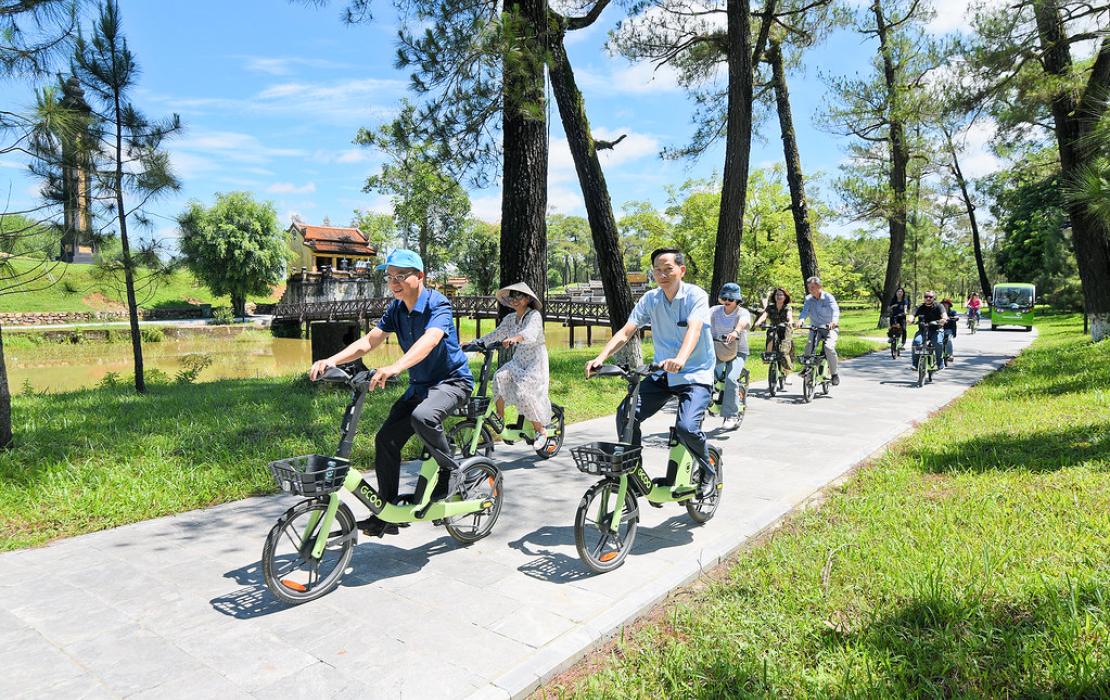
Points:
(53, 318)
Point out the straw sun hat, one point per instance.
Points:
(503, 294)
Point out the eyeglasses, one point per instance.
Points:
(399, 277)
(516, 296)
(930, 296)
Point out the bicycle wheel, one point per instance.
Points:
(483, 481)
(288, 567)
(894, 348)
(922, 370)
(555, 428)
(598, 546)
(772, 379)
(461, 437)
(702, 510)
(825, 382)
(554, 441)
(807, 384)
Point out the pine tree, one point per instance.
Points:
(133, 169)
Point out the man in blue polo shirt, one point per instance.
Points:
(439, 378)
(678, 314)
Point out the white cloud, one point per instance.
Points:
(286, 65)
(346, 102)
(211, 152)
(15, 165)
(634, 146)
(629, 78)
(563, 200)
(290, 188)
(976, 158)
(487, 207)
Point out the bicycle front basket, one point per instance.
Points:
(606, 458)
(475, 406)
(310, 475)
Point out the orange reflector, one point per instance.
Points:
(293, 584)
(609, 556)
(490, 481)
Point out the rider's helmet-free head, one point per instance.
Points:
(730, 291)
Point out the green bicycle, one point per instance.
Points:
(475, 434)
(815, 366)
(743, 381)
(925, 353)
(608, 514)
(309, 548)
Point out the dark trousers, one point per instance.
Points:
(693, 400)
(423, 416)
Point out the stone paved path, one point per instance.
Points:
(175, 607)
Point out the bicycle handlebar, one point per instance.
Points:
(626, 372)
(358, 381)
(475, 346)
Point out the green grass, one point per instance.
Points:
(74, 288)
(972, 560)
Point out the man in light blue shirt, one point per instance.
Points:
(678, 314)
(821, 309)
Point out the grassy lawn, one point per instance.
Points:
(972, 560)
(67, 288)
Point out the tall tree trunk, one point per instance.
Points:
(524, 172)
(599, 208)
(803, 232)
(128, 269)
(738, 146)
(899, 160)
(5, 399)
(984, 283)
(1074, 120)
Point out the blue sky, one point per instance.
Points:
(272, 93)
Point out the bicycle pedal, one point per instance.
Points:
(653, 504)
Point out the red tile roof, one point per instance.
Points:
(346, 248)
(334, 239)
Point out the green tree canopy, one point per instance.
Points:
(235, 247)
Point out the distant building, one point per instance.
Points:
(330, 248)
(78, 244)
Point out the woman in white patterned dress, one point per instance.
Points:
(523, 380)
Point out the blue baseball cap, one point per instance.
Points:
(729, 291)
(403, 258)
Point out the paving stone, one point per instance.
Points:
(133, 662)
(249, 658)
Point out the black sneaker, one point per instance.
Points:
(376, 527)
(448, 484)
(836, 380)
(707, 483)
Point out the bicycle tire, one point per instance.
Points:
(461, 436)
(282, 582)
(483, 480)
(555, 430)
(702, 510)
(595, 555)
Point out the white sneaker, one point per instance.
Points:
(789, 380)
(731, 423)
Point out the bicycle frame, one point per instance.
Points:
(816, 360)
(355, 483)
(521, 430)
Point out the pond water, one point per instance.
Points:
(62, 367)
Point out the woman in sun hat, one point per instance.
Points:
(523, 380)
